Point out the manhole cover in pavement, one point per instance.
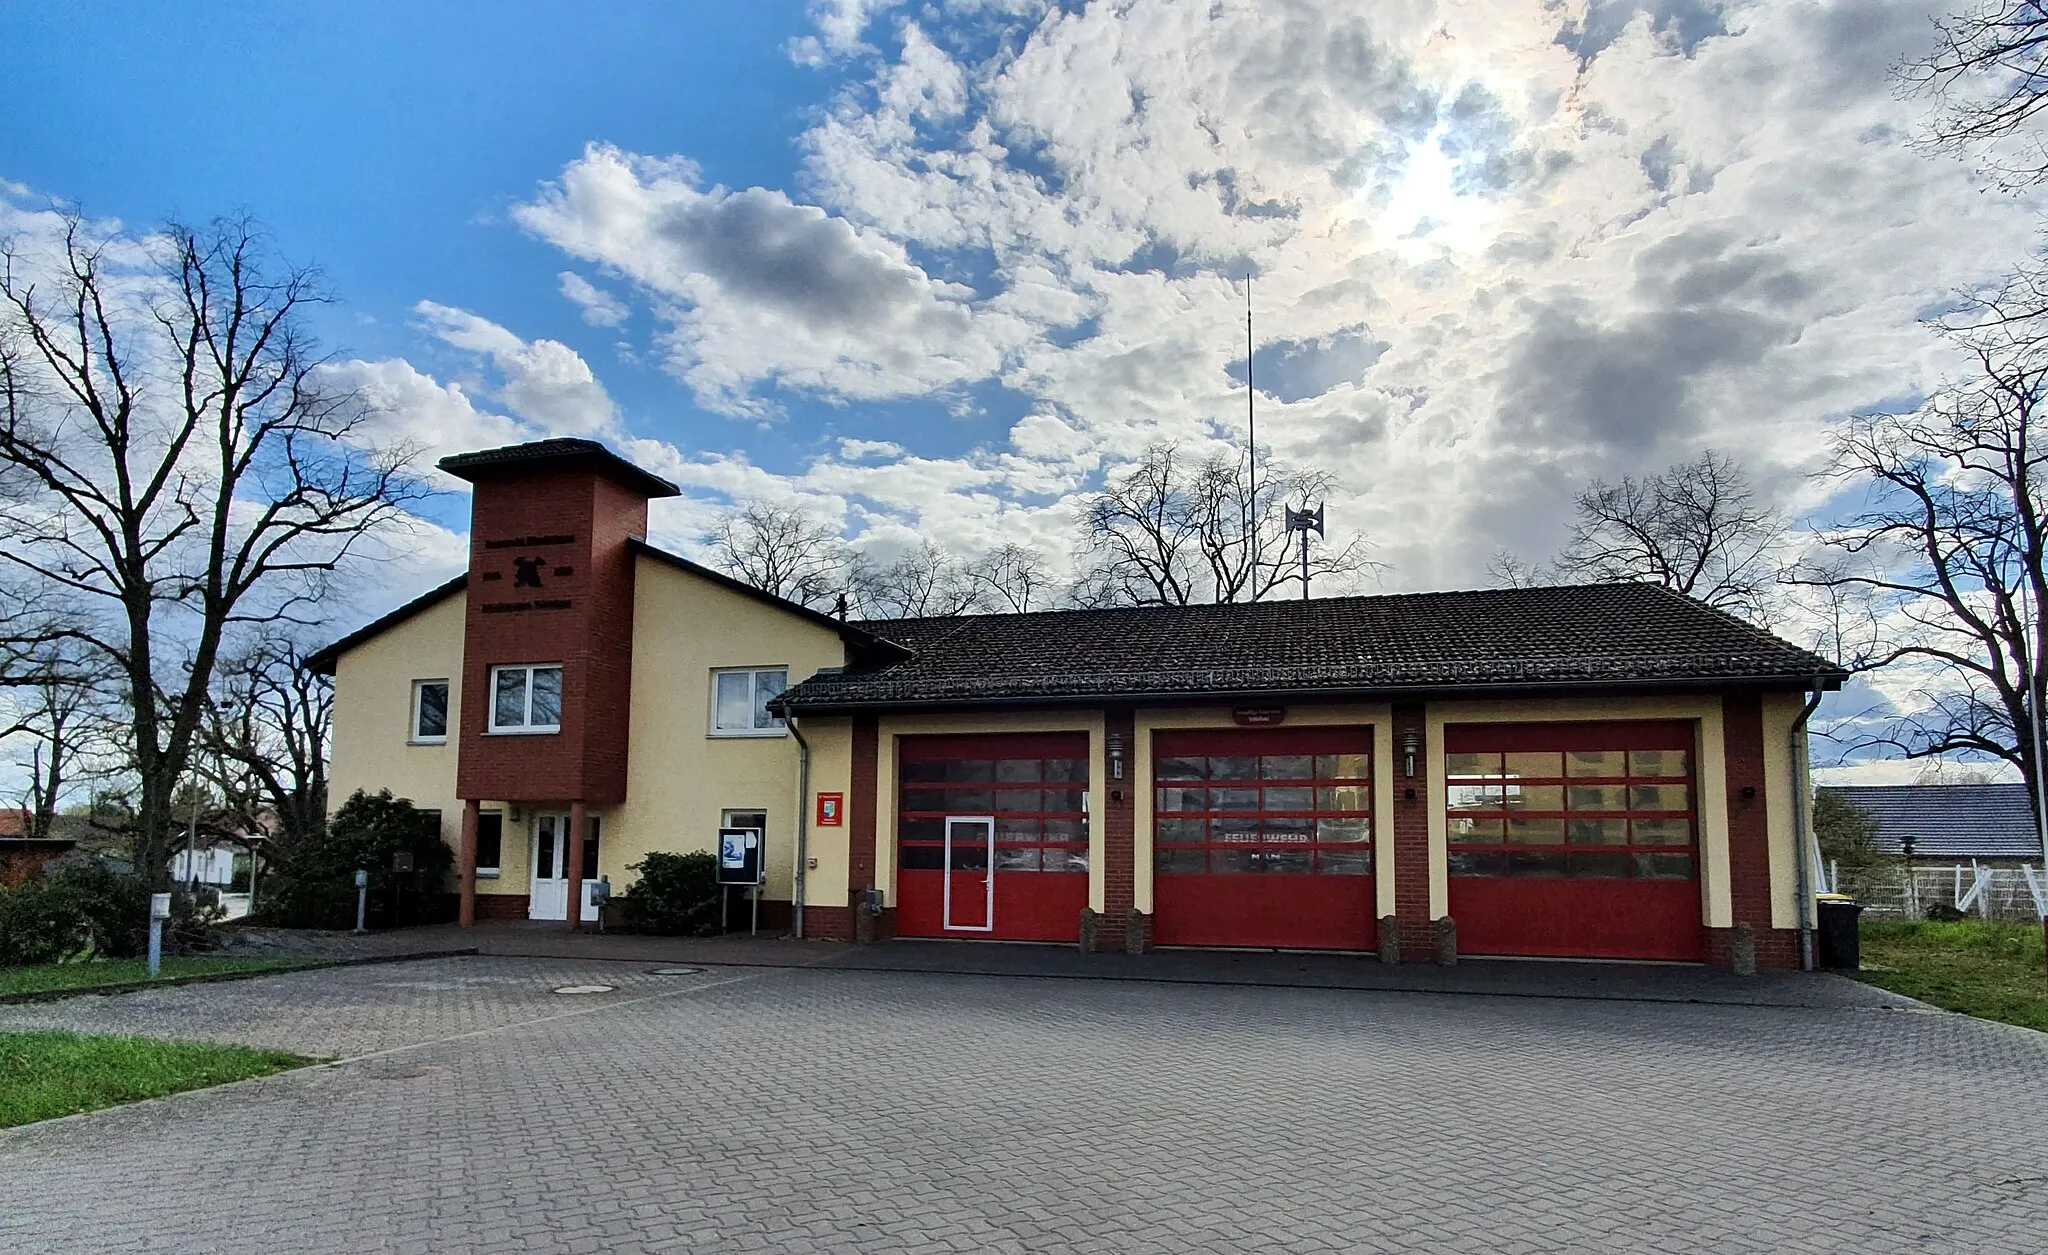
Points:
(675, 971)
(585, 989)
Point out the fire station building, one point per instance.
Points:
(1606, 771)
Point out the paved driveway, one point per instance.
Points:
(755, 1109)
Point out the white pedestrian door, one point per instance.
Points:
(550, 892)
(969, 904)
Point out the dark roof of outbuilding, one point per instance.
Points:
(560, 453)
(1956, 821)
(1581, 636)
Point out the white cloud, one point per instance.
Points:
(600, 308)
(854, 450)
(410, 408)
(759, 290)
(542, 381)
(841, 24)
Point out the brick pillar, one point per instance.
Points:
(572, 867)
(1411, 834)
(1749, 851)
(465, 866)
(863, 825)
(1119, 834)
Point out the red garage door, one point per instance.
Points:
(1263, 838)
(992, 836)
(1574, 840)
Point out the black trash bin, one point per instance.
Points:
(1840, 943)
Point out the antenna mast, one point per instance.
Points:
(1251, 423)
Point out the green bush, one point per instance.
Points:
(115, 906)
(311, 882)
(40, 922)
(677, 894)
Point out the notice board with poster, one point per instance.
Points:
(739, 856)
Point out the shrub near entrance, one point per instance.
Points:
(314, 884)
(677, 894)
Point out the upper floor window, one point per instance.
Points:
(526, 698)
(429, 711)
(739, 701)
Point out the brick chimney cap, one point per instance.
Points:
(561, 453)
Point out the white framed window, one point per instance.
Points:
(739, 701)
(527, 698)
(429, 712)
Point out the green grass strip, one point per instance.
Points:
(1993, 971)
(81, 977)
(44, 1075)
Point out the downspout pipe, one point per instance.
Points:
(1802, 804)
(803, 820)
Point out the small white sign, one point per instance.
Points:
(159, 906)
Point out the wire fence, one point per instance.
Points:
(1978, 890)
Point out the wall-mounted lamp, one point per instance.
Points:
(1115, 746)
(1411, 745)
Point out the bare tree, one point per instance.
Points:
(54, 709)
(192, 473)
(1988, 73)
(1510, 570)
(781, 550)
(1942, 562)
(1009, 578)
(926, 582)
(1176, 530)
(1695, 529)
(265, 740)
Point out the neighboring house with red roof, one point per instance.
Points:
(21, 856)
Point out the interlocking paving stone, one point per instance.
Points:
(777, 1110)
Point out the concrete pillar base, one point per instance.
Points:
(1137, 932)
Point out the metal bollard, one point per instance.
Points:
(159, 911)
(362, 899)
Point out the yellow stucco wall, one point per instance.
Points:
(831, 739)
(1781, 712)
(893, 727)
(679, 777)
(373, 714)
(1378, 715)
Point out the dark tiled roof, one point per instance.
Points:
(560, 453)
(1578, 636)
(1959, 821)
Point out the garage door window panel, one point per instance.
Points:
(1036, 828)
(1590, 811)
(1264, 814)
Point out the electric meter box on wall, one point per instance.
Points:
(739, 856)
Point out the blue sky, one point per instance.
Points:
(386, 141)
(934, 270)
